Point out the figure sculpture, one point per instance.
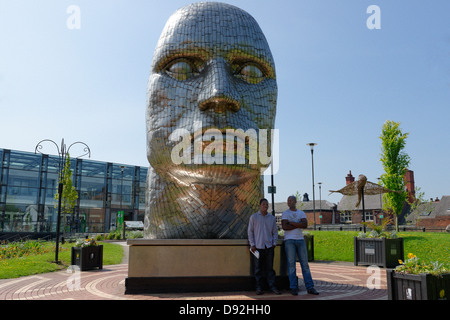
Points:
(362, 187)
(212, 74)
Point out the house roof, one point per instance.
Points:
(442, 207)
(431, 209)
(325, 205)
(371, 202)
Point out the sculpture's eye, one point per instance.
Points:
(250, 73)
(182, 69)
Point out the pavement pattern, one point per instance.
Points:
(334, 281)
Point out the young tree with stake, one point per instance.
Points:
(395, 162)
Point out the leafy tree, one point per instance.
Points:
(69, 193)
(395, 162)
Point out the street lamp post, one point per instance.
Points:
(62, 156)
(320, 201)
(312, 144)
(121, 197)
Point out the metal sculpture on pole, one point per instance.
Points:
(360, 187)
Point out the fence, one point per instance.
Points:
(359, 227)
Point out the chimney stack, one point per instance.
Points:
(409, 184)
(349, 178)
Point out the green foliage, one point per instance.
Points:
(69, 193)
(86, 243)
(134, 234)
(414, 265)
(395, 162)
(378, 230)
(43, 262)
(21, 248)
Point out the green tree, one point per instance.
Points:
(395, 162)
(69, 193)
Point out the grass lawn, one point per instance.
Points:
(338, 245)
(41, 263)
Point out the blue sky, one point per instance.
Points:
(338, 82)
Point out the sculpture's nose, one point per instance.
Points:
(219, 91)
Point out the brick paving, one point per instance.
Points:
(334, 281)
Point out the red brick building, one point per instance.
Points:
(433, 214)
(373, 207)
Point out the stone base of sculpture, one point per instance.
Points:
(193, 265)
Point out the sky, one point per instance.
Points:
(78, 70)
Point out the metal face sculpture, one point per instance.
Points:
(211, 95)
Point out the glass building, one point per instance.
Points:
(29, 182)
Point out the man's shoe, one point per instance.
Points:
(294, 292)
(313, 291)
(276, 291)
(259, 292)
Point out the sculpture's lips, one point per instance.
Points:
(230, 137)
(224, 156)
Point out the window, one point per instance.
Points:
(346, 217)
(368, 216)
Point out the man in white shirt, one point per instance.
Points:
(263, 237)
(292, 222)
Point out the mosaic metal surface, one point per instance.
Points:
(212, 71)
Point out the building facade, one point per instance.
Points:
(29, 182)
(432, 215)
(373, 207)
(324, 212)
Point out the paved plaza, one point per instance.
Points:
(334, 281)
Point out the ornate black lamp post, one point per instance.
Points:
(312, 144)
(62, 155)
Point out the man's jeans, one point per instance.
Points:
(293, 248)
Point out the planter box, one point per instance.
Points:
(417, 286)
(309, 241)
(87, 258)
(378, 251)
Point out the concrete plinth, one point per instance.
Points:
(195, 265)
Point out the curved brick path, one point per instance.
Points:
(334, 281)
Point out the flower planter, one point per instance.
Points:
(417, 286)
(381, 252)
(87, 258)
